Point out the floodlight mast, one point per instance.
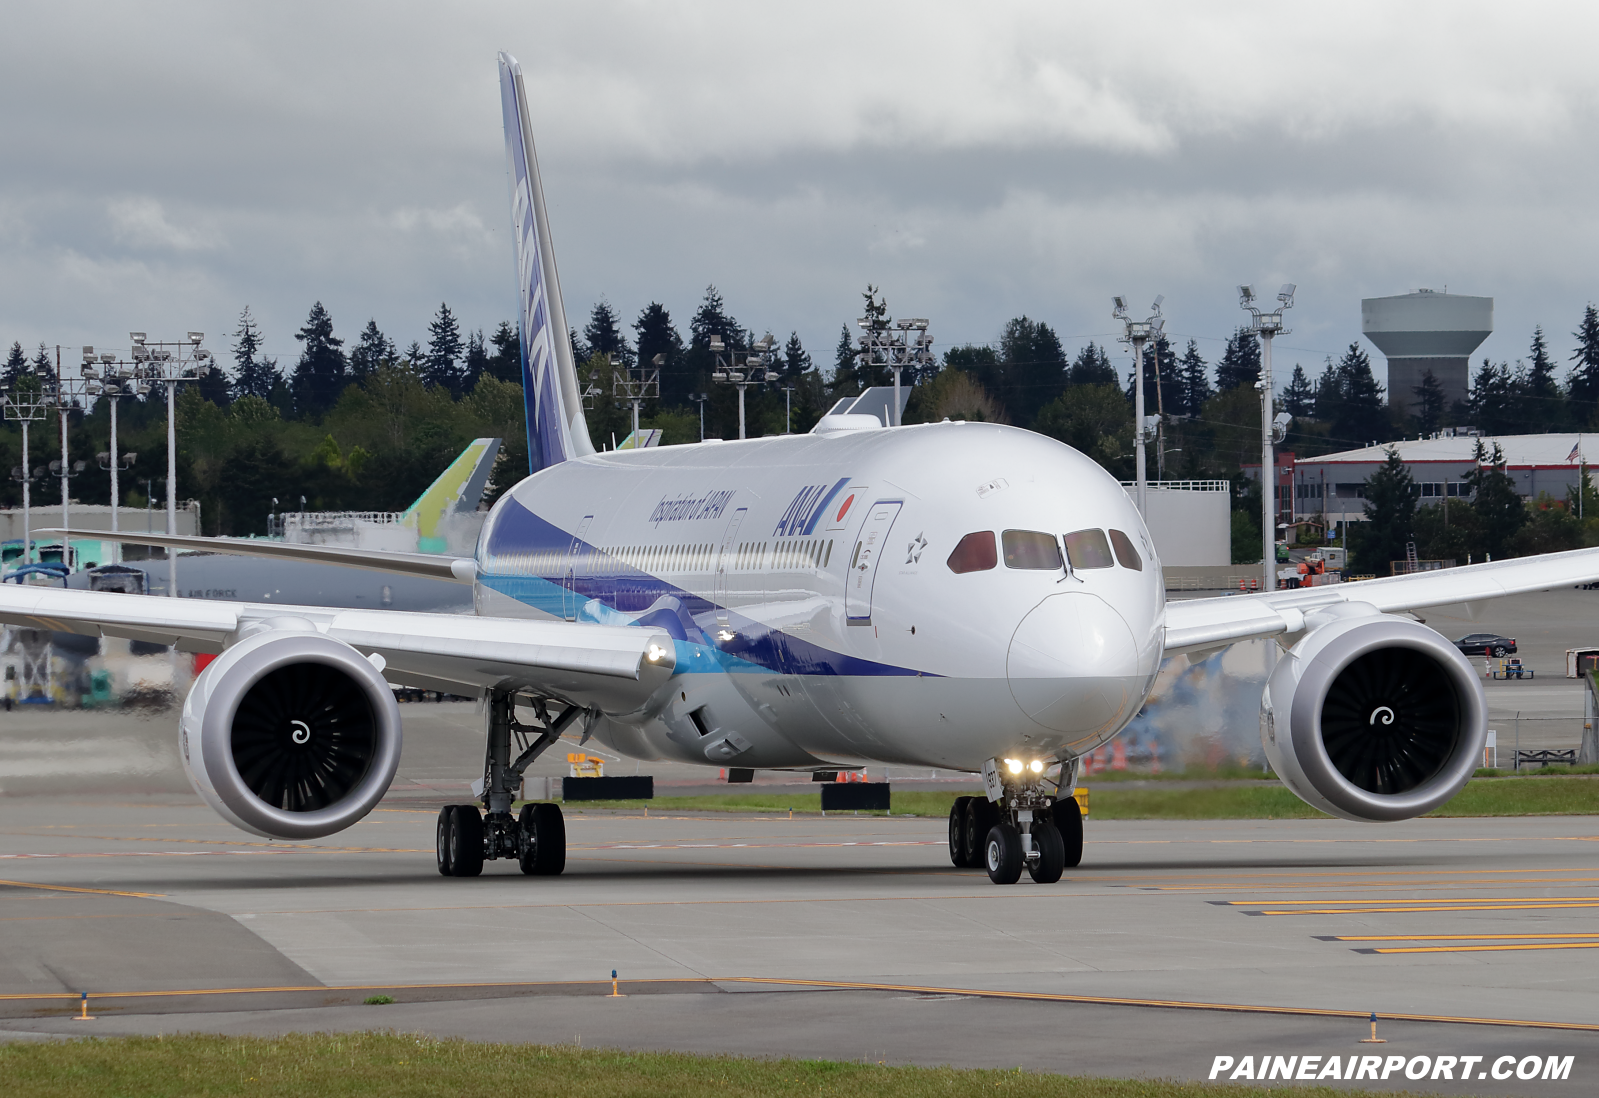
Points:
(1267, 325)
(742, 369)
(169, 364)
(25, 404)
(1139, 332)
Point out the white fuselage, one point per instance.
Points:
(807, 581)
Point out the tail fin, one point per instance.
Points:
(457, 490)
(556, 430)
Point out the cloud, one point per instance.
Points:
(141, 222)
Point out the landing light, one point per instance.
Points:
(724, 635)
(654, 653)
(1015, 766)
(1036, 766)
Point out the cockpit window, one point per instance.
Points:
(975, 553)
(1031, 549)
(1088, 549)
(1126, 555)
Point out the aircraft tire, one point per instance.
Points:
(1046, 869)
(549, 839)
(1003, 854)
(466, 841)
(1069, 821)
(957, 833)
(441, 841)
(980, 816)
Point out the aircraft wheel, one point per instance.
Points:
(542, 850)
(1003, 854)
(957, 832)
(1046, 869)
(441, 840)
(465, 841)
(980, 816)
(1069, 821)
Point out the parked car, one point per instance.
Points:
(1486, 644)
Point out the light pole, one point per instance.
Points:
(1139, 332)
(754, 369)
(169, 364)
(26, 403)
(636, 386)
(788, 408)
(105, 375)
(700, 399)
(1267, 325)
(897, 344)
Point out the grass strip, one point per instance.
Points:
(394, 1065)
(1555, 796)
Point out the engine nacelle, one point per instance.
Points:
(291, 734)
(1373, 717)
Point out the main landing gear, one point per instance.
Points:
(1026, 826)
(536, 837)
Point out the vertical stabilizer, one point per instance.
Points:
(457, 491)
(556, 430)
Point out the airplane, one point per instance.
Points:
(968, 596)
(443, 514)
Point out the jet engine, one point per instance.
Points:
(291, 734)
(1373, 717)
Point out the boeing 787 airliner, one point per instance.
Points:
(960, 595)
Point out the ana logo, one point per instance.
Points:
(840, 516)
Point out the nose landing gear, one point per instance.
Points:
(1020, 825)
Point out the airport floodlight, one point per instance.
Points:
(88, 354)
(107, 357)
(137, 337)
(1121, 307)
(1158, 299)
(1246, 295)
(658, 360)
(1272, 430)
(196, 337)
(717, 346)
(1139, 332)
(1286, 294)
(89, 370)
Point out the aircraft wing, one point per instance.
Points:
(611, 668)
(1200, 624)
(427, 565)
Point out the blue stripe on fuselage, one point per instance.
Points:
(623, 595)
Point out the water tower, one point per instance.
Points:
(1427, 330)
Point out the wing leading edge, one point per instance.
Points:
(1208, 623)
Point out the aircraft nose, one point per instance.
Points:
(1073, 665)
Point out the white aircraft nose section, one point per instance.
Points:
(1073, 665)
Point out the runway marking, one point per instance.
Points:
(840, 985)
(1479, 906)
(89, 891)
(1441, 900)
(1478, 948)
(1443, 937)
(204, 853)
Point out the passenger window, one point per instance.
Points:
(974, 553)
(1088, 549)
(1030, 549)
(1126, 555)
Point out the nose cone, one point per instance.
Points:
(1074, 667)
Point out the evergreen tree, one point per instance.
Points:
(1092, 366)
(796, 360)
(414, 360)
(1196, 380)
(41, 362)
(1034, 368)
(1583, 381)
(1542, 405)
(1240, 361)
(1329, 393)
(476, 363)
(843, 380)
(1299, 396)
(319, 376)
(1160, 367)
(657, 335)
(1390, 517)
(711, 319)
(602, 335)
(1429, 407)
(506, 361)
(1361, 418)
(444, 352)
(1499, 509)
(981, 364)
(1493, 399)
(16, 364)
(372, 348)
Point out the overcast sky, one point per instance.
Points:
(163, 165)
